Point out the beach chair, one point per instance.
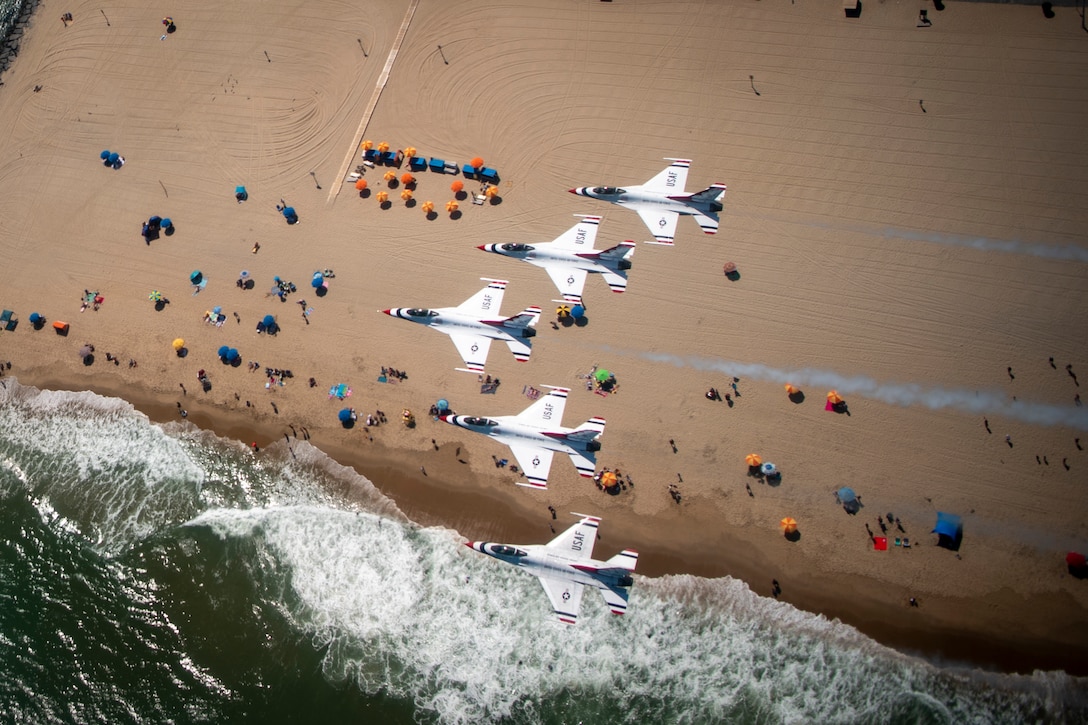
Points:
(6, 316)
(438, 166)
(417, 163)
(371, 155)
(389, 158)
(468, 171)
(7, 319)
(478, 199)
(450, 168)
(489, 175)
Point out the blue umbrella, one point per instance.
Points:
(847, 495)
(34, 317)
(577, 311)
(289, 211)
(442, 405)
(166, 223)
(345, 415)
(268, 320)
(233, 354)
(196, 276)
(104, 155)
(223, 350)
(317, 281)
(113, 158)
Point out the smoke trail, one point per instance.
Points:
(990, 402)
(1069, 252)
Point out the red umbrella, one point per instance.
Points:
(1076, 560)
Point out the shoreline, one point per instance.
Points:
(503, 516)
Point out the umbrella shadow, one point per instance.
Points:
(410, 203)
(183, 352)
(364, 194)
(321, 290)
(496, 200)
(88, 360)
(348, 424)
(432, 215)
(160, 305)
(581, 321)
(386, 204)
(797, 398)
(169, 231)
(774, 480)
(733, 276)
(460, 195)
(793, 536)
(455, 214)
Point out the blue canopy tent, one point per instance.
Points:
(949, 530)
(240, 193)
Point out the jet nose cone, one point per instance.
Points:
(470, 544)
(444, 418)
(483, 247)
(388, 312)
(572, 191)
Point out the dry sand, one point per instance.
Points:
(905, 207)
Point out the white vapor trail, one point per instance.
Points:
(1068, 252)
(989, 402)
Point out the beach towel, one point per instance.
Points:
(880, 543)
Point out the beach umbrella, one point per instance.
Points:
(166, 223)
(729, 267)
(268, 320)
(769, 469)
(360, 184)
(578, 311)
(847, 495)
(390, 175)
(476, 163)
(178, 344)
(608, 479)
(1075, 560)
(35, 318)
(114, 157)
(344, 415)
(104, 155)
(406, 194)
(383, 147)
(833, 397)
(223, 350)
(233, 355)
(196, 276)
(409, 151)
(791, 389)
(217, 310)
(443, 405)
(562, 311)
(451, 206)
(788, 524)
(407, 179)
(427, 207)
(753, 459)
(382, 197)
(491, 192)
(601, 375)
(457, 186)
(367, 145)
(317, 281)
(155, 296)
(85, 351)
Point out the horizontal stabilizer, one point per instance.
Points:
(626, 559)
(527, 318)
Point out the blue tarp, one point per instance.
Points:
(949, 530)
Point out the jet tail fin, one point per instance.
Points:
(626, 559)
(712, 193)
(527, 318)
(623, 250)
(587, 431)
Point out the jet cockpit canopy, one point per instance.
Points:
(504, 550)
(516, 248)
(607, 190)
(479, 421)
(420, 312)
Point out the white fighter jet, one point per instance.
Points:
(565, 568)
(571, 257)
(474, 323)
(661, 201)
(535, 433)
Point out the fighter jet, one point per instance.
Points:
(472, 329)
(571, 257)
(565, 568)
(661, 201)
(534, 434)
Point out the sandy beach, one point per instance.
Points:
(904, 208)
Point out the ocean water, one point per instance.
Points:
(156, 573)
(9, 13)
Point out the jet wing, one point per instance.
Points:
(546, 412)
(618, 282)
(662, 224)
(486, 302)
(616, 599)
(473, 350)
(580, 237)
(578, 540)
(535, 462)
(569, 281)
(672, 180)
(565, 596)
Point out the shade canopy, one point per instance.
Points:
(578, 311)
(407, 179)
(949, 530)
(382, 197)
(427, 207)
(360, 184)
(791, 388)
(451, 206)
(442, 405)
(608, 479)
(85, 351)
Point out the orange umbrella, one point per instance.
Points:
(406, 194)
(457, 186)
(383, 147)
(476, 163)
(410, 151)
(451, 206)
(360, 184)
(367, 145)
(390, 175)
(492, 191)
(608, 479)
(833, 397)
(788, 524)
(382, 197)
(753, 459)
(407, 179)
(791, 389)
(427, 207)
